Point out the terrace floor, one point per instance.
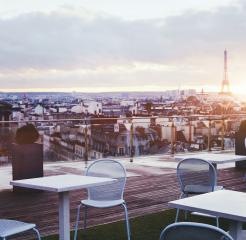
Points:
(151, 184)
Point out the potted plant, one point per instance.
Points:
(27, 158)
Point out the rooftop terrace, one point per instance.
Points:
(151, 184)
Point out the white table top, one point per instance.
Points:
(213, 157)
(224, 203)
(62, 183)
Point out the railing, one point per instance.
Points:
(126, 137)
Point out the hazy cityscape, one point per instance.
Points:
(79, 126)
(122, 120)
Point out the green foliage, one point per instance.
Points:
(26, 134)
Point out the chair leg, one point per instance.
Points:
(37, 232)
(127, 222)
(186, 212)
(217, 222)
(85, 217)
(77, 222)
(177, 212)
(177, 215)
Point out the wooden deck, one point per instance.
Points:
(144, 194)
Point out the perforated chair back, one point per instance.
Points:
(110, 169)
(193, 231)
(196, 176)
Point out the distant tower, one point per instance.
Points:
(225, 87)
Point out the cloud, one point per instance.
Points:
(59, 40)
(78, 44)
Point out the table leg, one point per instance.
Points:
(235, 230)
(64, 216)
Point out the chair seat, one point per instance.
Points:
(102, 204)
(11, 227)
(198, 189)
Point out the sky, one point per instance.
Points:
(130, 45)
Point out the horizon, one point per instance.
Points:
(118, 92)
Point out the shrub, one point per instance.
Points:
(27, 134)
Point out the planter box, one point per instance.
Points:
(240, 148)
(27, 161)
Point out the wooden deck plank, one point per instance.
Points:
(144, 195)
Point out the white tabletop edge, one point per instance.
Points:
(213, 213)
(207, 156)
(32, 186)
(177, 204)
(25, 183)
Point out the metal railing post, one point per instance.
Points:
(86, 147)
(209, 135)
(223, 135)
(190, 132)
(173, 138)
(131, 144)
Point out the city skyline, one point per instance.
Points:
(87, 46)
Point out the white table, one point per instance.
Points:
(214, 158)
(62, 184)
(224, 203)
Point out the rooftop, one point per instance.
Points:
(151, 184)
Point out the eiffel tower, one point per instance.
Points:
(225, 87)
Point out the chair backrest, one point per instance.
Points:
(193, 171)
(111, 169)
(193, 231)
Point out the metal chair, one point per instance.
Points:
(11, 227)
(193, 231)
(105, 196)
(196, 176)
